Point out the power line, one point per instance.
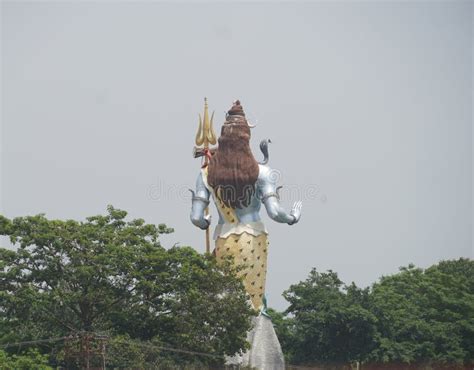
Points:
(129, 342)
(18, 344)
(142, 344)
(179, 350)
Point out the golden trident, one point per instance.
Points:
(205, 136)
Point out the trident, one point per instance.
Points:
(205, 136)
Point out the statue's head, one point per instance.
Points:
(233, 170)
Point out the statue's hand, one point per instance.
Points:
(207, 218)
(296, 211)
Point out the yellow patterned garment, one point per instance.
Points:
(250, 252)
(247, 244)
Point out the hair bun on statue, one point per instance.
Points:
(236, 109)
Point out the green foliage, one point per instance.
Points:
(31, 360)
(113, 276)
(426, 315)
(330, 322)
(413, 317)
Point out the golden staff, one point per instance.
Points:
(205, 136)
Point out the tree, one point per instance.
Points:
(330, 324)
(113, 276)
(426, 315)
(413, 317)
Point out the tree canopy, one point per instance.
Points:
(329, 322)
(413, 317)
(426, 315)
(171, 307)
(112, 276)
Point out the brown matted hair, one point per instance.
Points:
(233, 170)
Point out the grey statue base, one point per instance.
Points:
(265, 351)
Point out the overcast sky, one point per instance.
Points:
(368, 106)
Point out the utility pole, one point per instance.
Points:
(86, 350)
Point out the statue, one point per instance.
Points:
(239, 185)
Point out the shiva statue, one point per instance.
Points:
(239, 185)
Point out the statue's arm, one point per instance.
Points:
(200, 201)
(267, 189)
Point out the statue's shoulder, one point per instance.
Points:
(265, 174)
(202, 179)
